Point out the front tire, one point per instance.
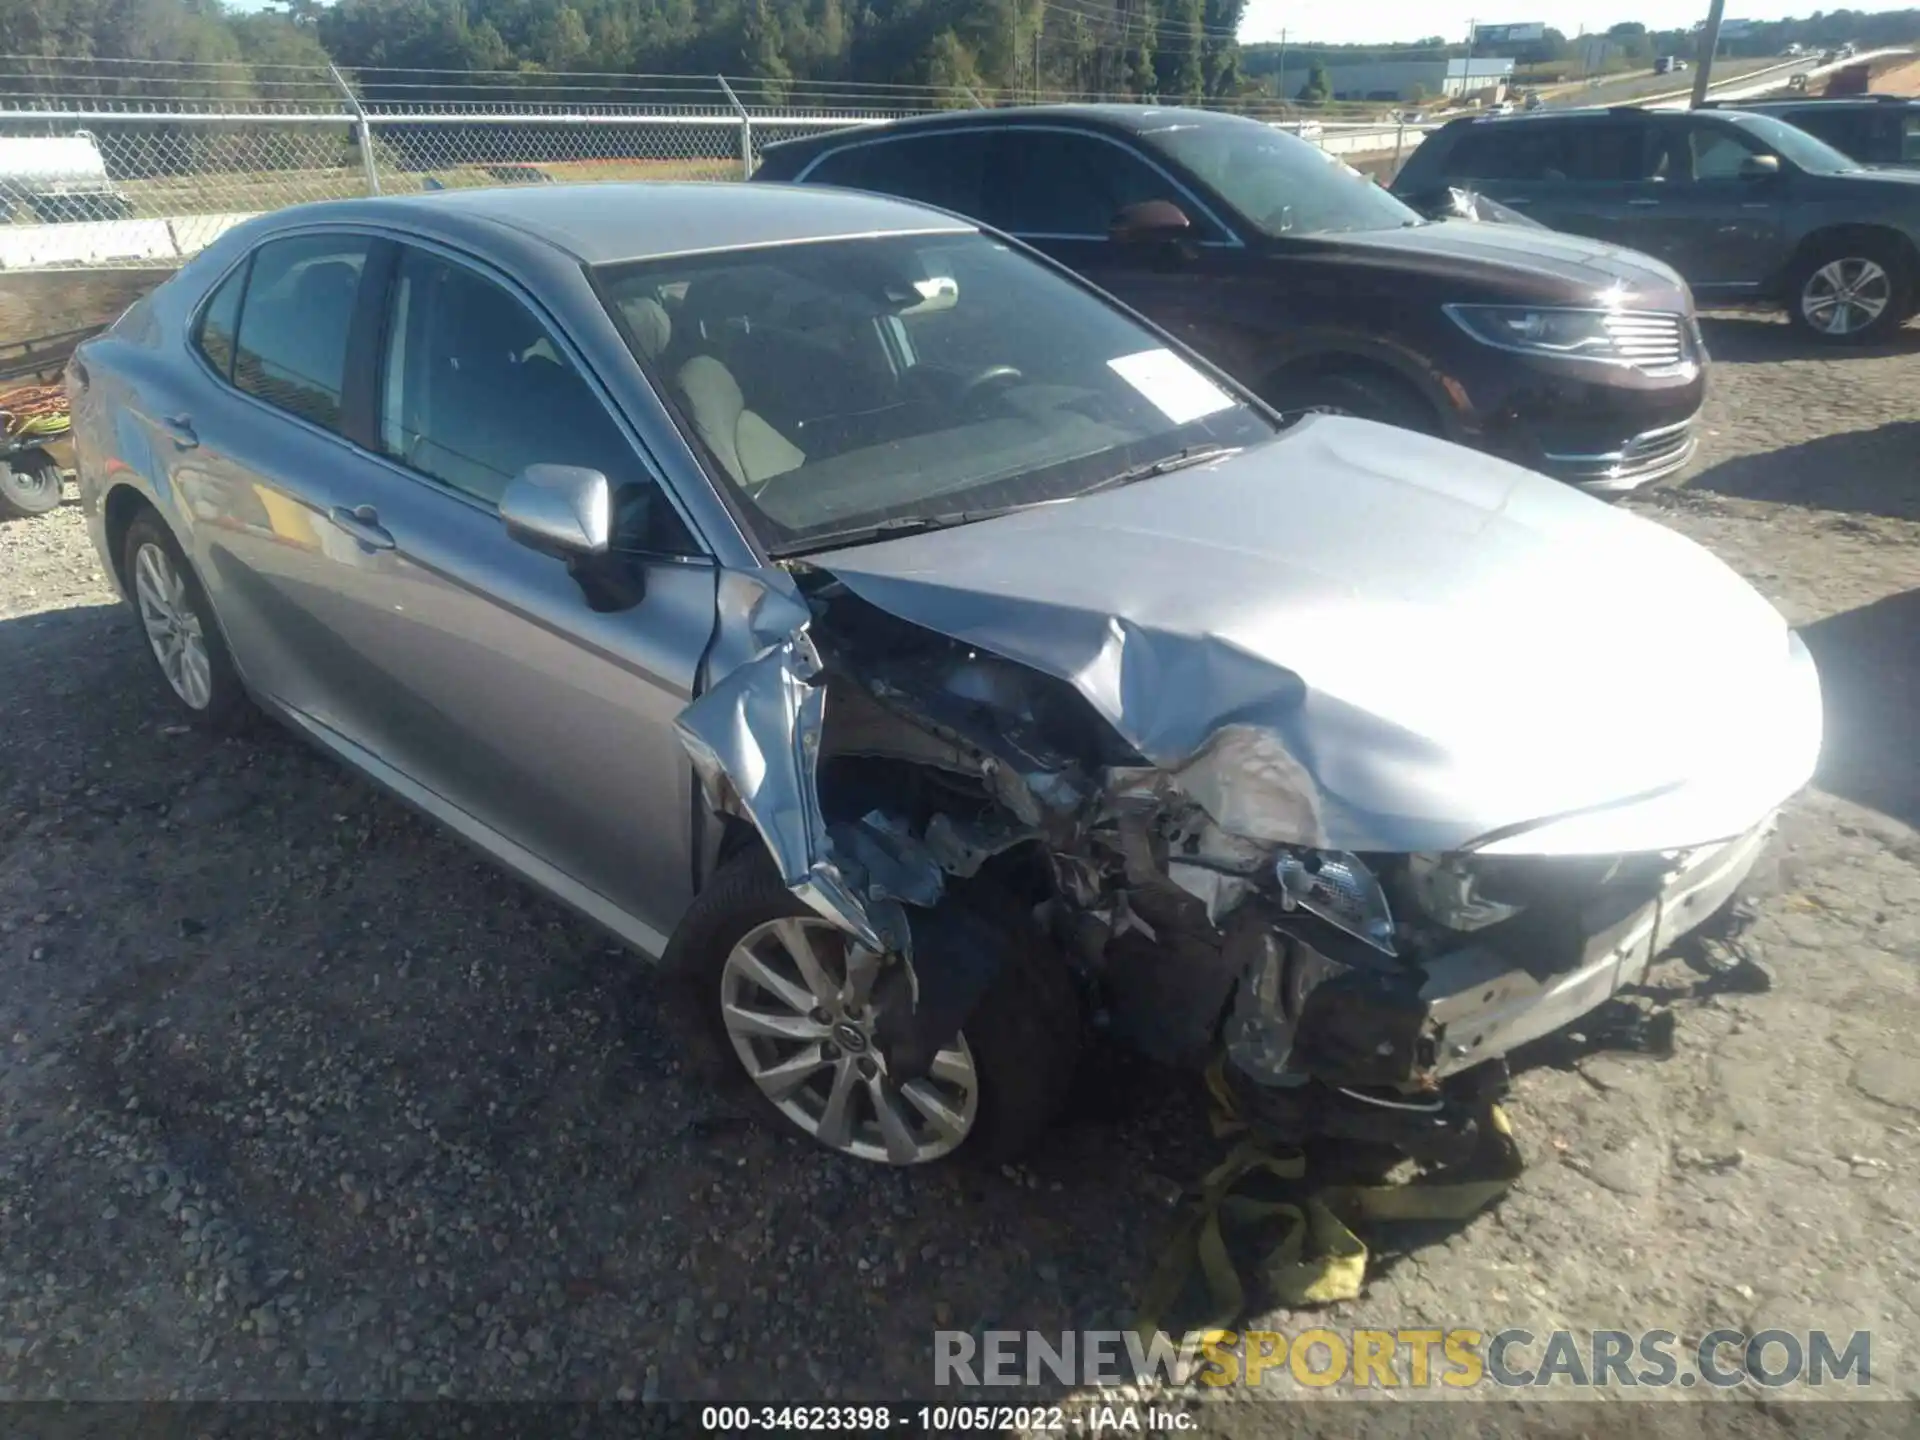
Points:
(177, 623)
(774, 1001)
(1850, 292)
(29, 485)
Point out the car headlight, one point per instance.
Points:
(1449, 894)
(1545, 330)
(1340, 889)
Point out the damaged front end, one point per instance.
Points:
(1184, 856)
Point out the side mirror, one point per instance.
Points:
(560, 510)
(1760, 167)
(1149, 221)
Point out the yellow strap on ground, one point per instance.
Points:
(1319, 1258)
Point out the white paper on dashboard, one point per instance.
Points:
(1171, 385)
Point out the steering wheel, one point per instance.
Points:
(976, 385)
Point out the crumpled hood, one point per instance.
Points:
(1438, 647)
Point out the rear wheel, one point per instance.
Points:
(778, 1003)
(29, 485)
(1850, 292)
(177, 622)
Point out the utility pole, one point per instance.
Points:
(1709, 44)
(1283, 66)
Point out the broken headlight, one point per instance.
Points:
(1340, 889)
(1449, 893)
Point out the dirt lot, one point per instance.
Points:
(300, 1099)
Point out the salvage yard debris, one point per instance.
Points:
(1319, 1256)
(35, 412)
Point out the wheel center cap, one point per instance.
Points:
(849, 1037)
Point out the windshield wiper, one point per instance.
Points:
(1179, 460)
(893, 528)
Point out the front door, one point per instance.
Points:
(481, 673)
(1718, 222)
(1060, 191)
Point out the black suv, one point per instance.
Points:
(1311, 284)
(1749, 208)
(1873, 129)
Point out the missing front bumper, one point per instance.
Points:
(1479, 1005)
(1300, 1015)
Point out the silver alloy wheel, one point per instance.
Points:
(172, 626)
(1844, 297)
(794, 998)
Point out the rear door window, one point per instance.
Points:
(1552, 152)
(943, 170)
(1848, 131)
(291, 345)
(213, 337)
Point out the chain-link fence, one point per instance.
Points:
(104, 162)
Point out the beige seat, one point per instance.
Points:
(751, 449)
(651, 326)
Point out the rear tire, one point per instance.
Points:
(1864, 287)
(29, 485)
(1364, 395)
(1022, 1041)
(178, 630)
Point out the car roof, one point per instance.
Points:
(611, 222)
(1584, 112)
(1133, 119)
(1837, 102)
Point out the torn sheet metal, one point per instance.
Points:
(961, 847)
(1358, 638)
(755, 742)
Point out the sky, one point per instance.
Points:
(1390, 21)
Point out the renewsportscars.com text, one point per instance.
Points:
(1416, 1358)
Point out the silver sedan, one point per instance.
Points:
(918, 653)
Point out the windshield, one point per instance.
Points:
(1810, 154)
(838, 385)
(1282, 185)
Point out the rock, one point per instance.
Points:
(1634, 1169)
(211, 802)
(266, 1322)
(1890, 1078)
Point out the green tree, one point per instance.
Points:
(761, 52)
(1318, 87)
(950, 65)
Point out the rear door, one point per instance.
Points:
(265, 449)
(479, 669)
(1587, 175)
(1853, 131)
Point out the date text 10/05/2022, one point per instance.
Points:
(1096, 1418)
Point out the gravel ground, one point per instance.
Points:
(302, 1100)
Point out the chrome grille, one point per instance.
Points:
(1656, 446)
(1648, 341)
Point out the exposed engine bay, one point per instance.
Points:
(885, 764)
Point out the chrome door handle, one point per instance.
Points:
(363, 524)
(1646, 201)
(1519, 202)
(180, 427)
